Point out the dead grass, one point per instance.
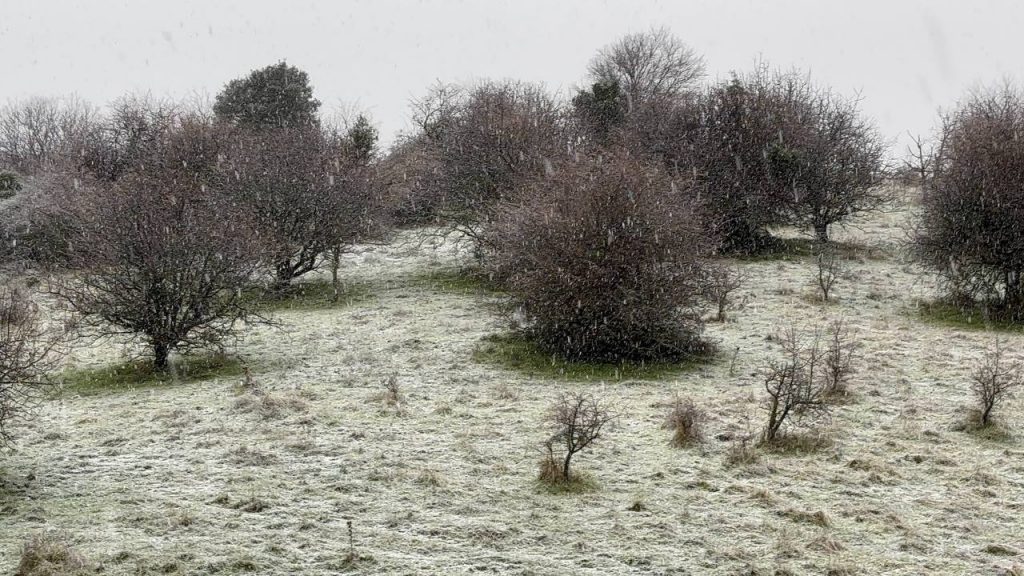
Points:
(49, 554)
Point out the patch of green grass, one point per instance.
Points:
(806, 248)
(514, 352)
(455, 280)
(313, 295)
(974, 317)
(141, 374)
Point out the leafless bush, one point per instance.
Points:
(795, 390)
(302, 193)
(686, 422)
(834, 164)
(726, 139)
(27, 351)
(411, 181)
(162, 255)
(392, 392)
(768, 148)
(830, 268)
(578, 420)
(603, 260)
(973, 203)
(40, 134)
(647, 66)
(49, 554)
(720, 287)
(994, 381)
(838, 362)
(134, 129)
(490, 140)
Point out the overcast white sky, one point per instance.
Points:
(907, 57)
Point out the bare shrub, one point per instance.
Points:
(834, 163)
(994, 381)
(49, 554)
(28, 350)
(686, 422)
(603, 260)
(973, 202)
(647, 66)
(829, 266)
(795, 390)
(411, 182)
(392, 392)
(40, 134)
(720, 287)
(840, 352)
(490, 140)
(302, 192)
(162, 255)
(768, 148)
(725, 140)
(578, 420)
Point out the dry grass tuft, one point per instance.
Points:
(817, 518)
(686, 422)
(49, 554)
(742, 453)
(272, 405)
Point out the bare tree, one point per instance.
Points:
(647, 66)
(578, 420)
(993, 381)
(835, 164)
(43, 133)
(604, 259)
(162, 255)
(830, 268)
(504, 136)
(919, 158)
(436, 112)
(135, 128)
(306, 196)
(839, 356)
(722, 282)
(969, 232)
(795, 391)
(28, 349)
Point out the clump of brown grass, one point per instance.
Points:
(271, 405)
(49, 554)
(686, 422)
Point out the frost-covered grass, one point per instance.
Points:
(197, 478)
(314, 295)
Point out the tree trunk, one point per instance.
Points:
(821, 231)
(160, 353)
(1013, 297)
(335, 264)
(565, 467)
(282, 276)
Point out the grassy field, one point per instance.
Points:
(323, 471)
